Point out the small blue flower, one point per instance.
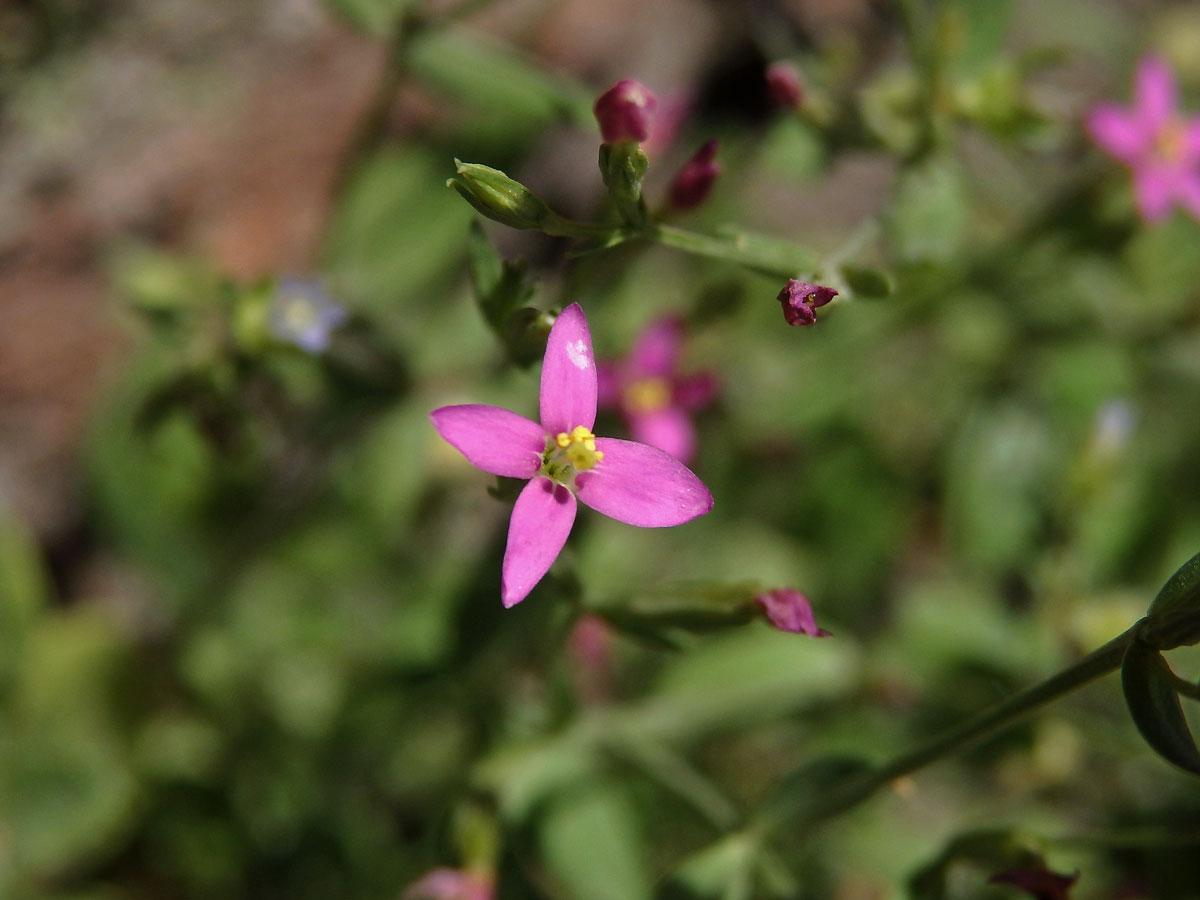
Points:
(303, 314)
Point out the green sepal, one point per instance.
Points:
(1153, 701)
(495, 195)
(1181, 592)
(623, 166)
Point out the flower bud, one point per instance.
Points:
(801, 300)
(694, 181)
(784, 85)
(625, 111)
(499, 197)
(789, 610)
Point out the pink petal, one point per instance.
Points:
(541, 520)
(656, 350)
(568, 394)
(667, 429)
(1191, 140)
(493, 439)
(1119, 133)
(1187, 192)
(789, 610)
(1154, 93)
(1153, 189)
(642, 485)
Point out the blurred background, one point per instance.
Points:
(251, 642)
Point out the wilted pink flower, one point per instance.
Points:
(625, 111)
(801, 301)
(789, 610)
(694, 181)
(564, 460)
(450, 884)
(1160, 147)
(1038, 881)
(653, 396)
(784, 84)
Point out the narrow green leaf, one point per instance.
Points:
(1154, 704)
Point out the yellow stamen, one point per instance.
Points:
(1170, 142)
(580, 447)
(648, 395)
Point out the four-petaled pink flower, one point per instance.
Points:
(789, 610)
(564, 460)
(801, 300)
(1160, 147)
(652, 395)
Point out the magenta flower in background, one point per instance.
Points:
(450, 884)
(1160, 147)
(655, 399)
(789, 610)
(694, 181)
(625, 112)
(784, 84)
(563, 460)
(801, 300)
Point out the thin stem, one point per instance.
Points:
(857, 789)
(780, 259)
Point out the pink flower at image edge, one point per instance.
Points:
(1160, 147)
(652, 395)
(565, 462)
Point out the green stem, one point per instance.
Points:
(778, 259)
(857, 789)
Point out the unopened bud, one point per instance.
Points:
(801, 300)
(784, 85)
(694, 181)
(625, 111)
(499, 197)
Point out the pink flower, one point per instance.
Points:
(652, 395)
(450, 884)
(784, 84)
(789, 610)
(625, 111)
(801, 301)
(694, 181)
(564, 460)
(1160, 147)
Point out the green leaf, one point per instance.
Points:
(867, 281)
(928, 219)
(1154, 704)
(376, 17)
(591, 840)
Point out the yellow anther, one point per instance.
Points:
(579, 448)
(1171, 142)
(648, 395)
(580, 433)
(563, 440)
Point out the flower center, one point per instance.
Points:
(1170, 142)
(647, 395)
(299, 313)
(569, 453)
